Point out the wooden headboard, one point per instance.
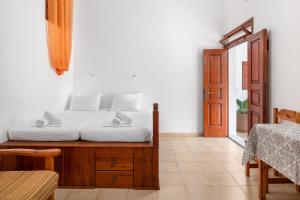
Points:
(284, 114)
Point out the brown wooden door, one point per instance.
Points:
(215, 86)
(258, 78)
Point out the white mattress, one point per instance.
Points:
(76, 120)
(140, 131)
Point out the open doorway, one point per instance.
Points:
(238, 93)
(235, 84)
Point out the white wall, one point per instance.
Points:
(27, 83)
(281, 18)
(236, 56)
(160, 41)
(242, 55)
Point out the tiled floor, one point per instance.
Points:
(193, 168)
(242, 135)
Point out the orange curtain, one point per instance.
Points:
(59, 16)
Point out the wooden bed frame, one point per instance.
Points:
(96, 164)
(264, 179)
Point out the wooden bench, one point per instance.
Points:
(29, 185)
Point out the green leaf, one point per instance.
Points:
(242, 106)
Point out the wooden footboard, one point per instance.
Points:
(97, 164)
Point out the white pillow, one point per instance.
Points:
(85, 102)
(127, 101)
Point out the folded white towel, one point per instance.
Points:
(125, 120)
(53, 120)
(41, 123)
(116, 122)
(117, 126)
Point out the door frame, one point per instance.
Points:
(245, 38)
(246, 30)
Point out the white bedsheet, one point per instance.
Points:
(76, 120)
(100, 130)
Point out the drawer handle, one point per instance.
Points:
(113, 179)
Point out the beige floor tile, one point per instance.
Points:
(165, 149)
(200, 150)
(218, 150)
(163, 143)
(112, 194)
(212, 167)
(167, 157)
(83, 194)
(251, 191)
(200, 193)
(189, 167)
(230, 193)
(227, 158)
(234, 167)
(170, 179)
(194, 179)
(172, 193)
(164, 138)
(61, 194)
(168, 167)
(184, 157)
(194, 143)
(142, 195)
(241, 179)
(176, 139)
(204, 157)
(238, 155)
(179, 143)
(283, 192)
(180, 149)
(220, 179)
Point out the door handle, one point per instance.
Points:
(206, 93)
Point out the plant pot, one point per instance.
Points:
(242, 122)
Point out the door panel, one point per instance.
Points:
(245, 75)
(215, 86)
(258, 78)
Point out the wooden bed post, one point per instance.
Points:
(155, 126)
(155, 157)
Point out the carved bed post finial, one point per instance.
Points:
(155, 107)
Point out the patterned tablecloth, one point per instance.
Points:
(278, 145)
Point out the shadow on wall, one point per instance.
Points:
(200, 90)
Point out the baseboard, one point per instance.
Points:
(179, 134)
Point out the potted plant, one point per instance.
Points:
(242, 116)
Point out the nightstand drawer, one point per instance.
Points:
(115, 161)
(114, 179)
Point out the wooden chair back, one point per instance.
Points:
(284, 114)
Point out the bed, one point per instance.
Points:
(75, 121)
(100, 130)
(103, 163)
